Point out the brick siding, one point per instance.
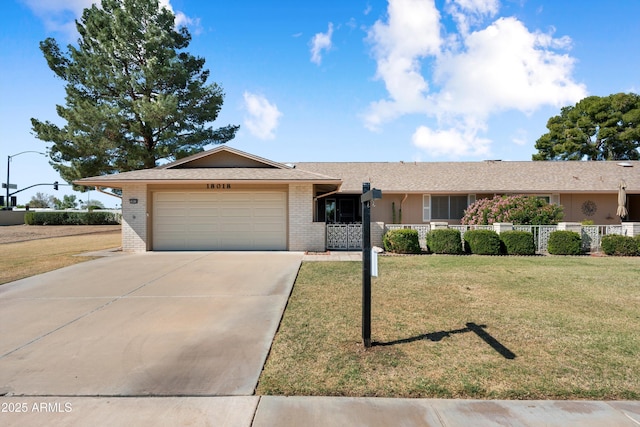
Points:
(304, 234)
(134, 218)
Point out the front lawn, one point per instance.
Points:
(464, 327)
(24, 259)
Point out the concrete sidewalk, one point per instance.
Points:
(270, 411)
(333, 256)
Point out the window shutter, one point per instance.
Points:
(426, 207)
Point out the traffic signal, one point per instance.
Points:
(55, 185)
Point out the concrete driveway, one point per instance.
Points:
(158, 324)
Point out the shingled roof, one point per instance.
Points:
(482, 177)
(219, 164)
(228, 164)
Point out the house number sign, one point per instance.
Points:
(218, 186)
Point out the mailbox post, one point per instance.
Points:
(368, 195)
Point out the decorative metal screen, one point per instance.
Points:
(354, 238)
(344, 236)
(541, 234)
(590, 237)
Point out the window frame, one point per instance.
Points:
(427, 205)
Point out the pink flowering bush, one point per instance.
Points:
(518, 209)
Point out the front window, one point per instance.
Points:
(447, 207)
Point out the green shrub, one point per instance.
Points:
(482, 242)
(613, 244)
(444, 241)
(563, 242)
(402, 241)
(30, 218)
(72, 218)
(518, 242)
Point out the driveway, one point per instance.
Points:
(156, 324)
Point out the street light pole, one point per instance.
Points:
(6, 202)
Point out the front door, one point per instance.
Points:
(346, 211)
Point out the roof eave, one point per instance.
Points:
(123, 183)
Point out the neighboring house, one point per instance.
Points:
(225, 199)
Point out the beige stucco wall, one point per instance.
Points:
(12, 217)
(411, 208)
(606, 206)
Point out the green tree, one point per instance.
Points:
(133, 95)
(67, 202)
(596, 128)
(42, 200)
(92, 204)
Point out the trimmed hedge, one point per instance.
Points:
(518, 242)
(72, 218)
(482, 242)
(563, 242)
(613, 244)
(445, 241)
(402, 241)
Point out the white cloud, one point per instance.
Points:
(411, 33)
(467, 13)
(263, 116)
(182, 20)
(471, 74)
(60, 15)
(321, 42)
(451, 142)
(502, 67)
(520, 137)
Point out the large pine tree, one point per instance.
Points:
(596, 128)
(133, 95)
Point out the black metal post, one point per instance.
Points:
(366, 268)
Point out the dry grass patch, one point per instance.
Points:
(24, 259)
(573, 324)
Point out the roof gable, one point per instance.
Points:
(223, 157)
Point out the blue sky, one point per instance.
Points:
(371, 80)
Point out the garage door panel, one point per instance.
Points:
(219, 221)
(201, 212)
(236, 212)
(268, 212)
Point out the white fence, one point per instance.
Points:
(349, 236)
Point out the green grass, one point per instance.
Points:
(573, 324)
(25, 259)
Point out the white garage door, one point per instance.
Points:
(219, 221)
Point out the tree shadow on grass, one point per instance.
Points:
(471, 327)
